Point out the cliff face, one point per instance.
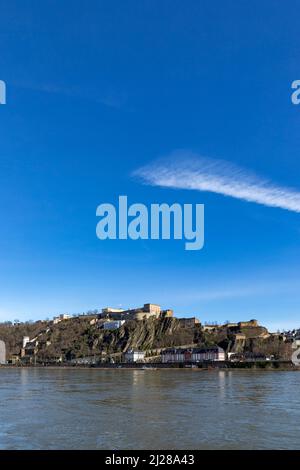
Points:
(79, 337)
(85, 339)
(145, 335)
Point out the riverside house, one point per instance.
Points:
(134, 356)
(214, 353)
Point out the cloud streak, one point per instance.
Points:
(107, 98)
(184, 170)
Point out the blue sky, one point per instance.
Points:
(96, 91)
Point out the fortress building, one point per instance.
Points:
(140, 313)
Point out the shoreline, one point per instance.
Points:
(262, 366)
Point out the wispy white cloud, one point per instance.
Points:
(109, 98)
(185, 170)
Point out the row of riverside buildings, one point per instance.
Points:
(167, 356)
(181, 355)
(214, 353)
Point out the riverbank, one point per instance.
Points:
(256, 365)
(263, 365)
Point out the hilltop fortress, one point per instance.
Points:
(140, 313)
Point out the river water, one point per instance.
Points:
(149, 409)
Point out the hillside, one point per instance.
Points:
(81, 337)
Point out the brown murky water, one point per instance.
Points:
(154, 409)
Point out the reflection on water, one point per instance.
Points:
(153, 409)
